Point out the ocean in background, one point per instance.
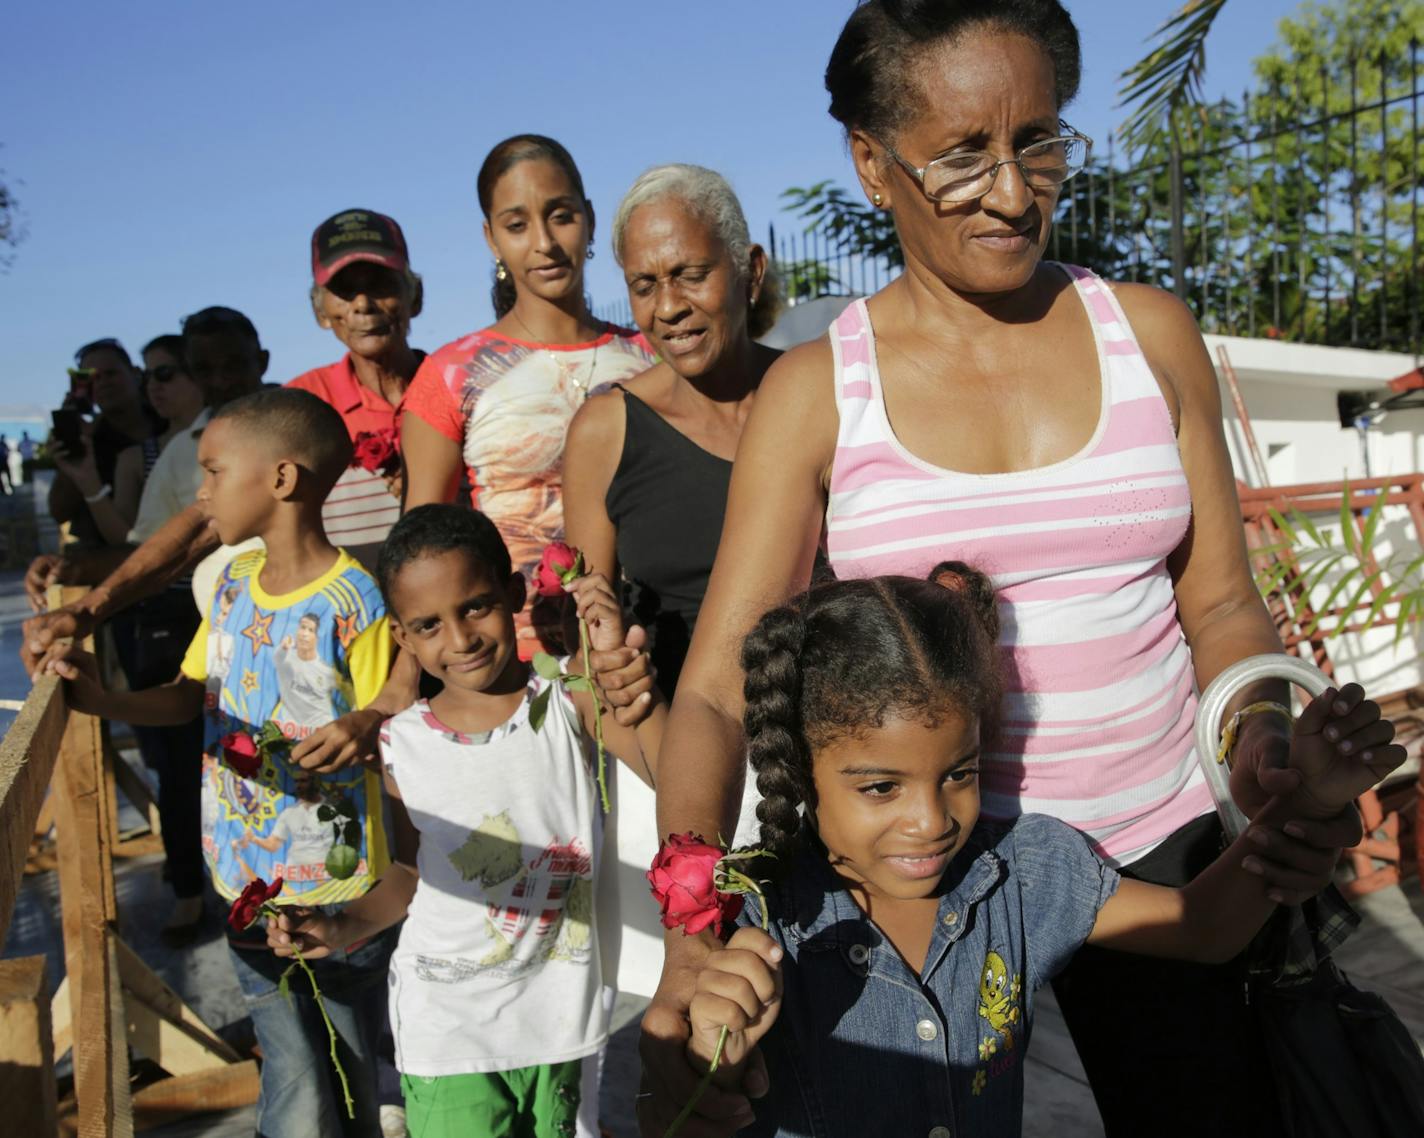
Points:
(11, 428)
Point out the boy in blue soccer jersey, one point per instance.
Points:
(301, 633)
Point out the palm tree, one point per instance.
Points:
(1169, 77)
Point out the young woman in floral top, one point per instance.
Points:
(496, 405)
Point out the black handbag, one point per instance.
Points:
(1344, 1064)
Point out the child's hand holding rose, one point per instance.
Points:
(312, 932)
(739, 988)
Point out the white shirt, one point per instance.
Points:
(172, 485)
(498, 965)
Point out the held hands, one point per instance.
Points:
(1264, 763)
(1341, 748)
(620, 664)
(669, 1079)
(739, 988)
(313, 933)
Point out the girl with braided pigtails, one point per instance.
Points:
(907, 936)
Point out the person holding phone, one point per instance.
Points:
(105, 378)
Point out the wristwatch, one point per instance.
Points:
(103, 492)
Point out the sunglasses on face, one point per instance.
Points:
(163, 373)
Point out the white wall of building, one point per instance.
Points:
(1289, 391)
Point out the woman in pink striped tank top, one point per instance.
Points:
(1064, 436)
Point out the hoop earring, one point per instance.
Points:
(500, 272)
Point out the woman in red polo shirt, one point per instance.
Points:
(495, 405)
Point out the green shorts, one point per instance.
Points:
(528, 1102)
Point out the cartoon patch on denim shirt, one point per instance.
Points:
(999, 996)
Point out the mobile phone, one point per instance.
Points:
(67, 426)
(81, 389)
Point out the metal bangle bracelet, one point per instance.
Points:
(1212, 705)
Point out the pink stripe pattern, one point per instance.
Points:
(1099, 686)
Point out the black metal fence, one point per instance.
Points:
(1293, 214)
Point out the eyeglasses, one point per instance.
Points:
(163, 373)
(969, 174)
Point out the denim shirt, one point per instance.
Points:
(864, 1046)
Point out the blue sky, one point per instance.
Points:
(175, 155)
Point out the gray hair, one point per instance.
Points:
(708, 194)
(711, 197)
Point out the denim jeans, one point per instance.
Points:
(300, 1095)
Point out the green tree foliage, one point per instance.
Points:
(1167, 81)
(12, 226)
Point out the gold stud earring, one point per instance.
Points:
(500, 272)
(877, 199)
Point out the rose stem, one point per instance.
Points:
(597, 715)
(330, 1031)
(701, 1086)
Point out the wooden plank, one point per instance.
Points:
(28, 756)
(223, 1088)
(134, 788)
(89, 913)
(148, 987)
(61, 1015)
(144, 845)
(167, 1043)
(45, 822)
(101, 1053)
(27, 1087)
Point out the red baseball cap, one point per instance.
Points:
(357, 235)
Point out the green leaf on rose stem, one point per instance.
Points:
(574, 571)
(539, 708)
(547, 667)
(351, 833)
(284, 984)
(270, 734)
(324, 813)
(576, 683)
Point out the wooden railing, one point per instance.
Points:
(1393, 819)
(54, 761)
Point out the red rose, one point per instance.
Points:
(559, 562)
(239, 751)
(248, 907)
(374, 451)
(684, 883)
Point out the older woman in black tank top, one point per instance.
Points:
(646, 466)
